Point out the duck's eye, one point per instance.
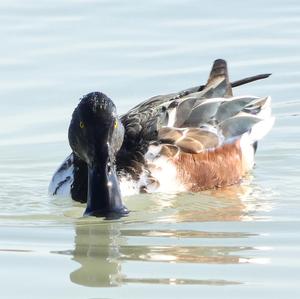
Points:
(81, 125)
(116, 124)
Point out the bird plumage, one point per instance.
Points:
(205, 135)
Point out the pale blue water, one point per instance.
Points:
(237, 243)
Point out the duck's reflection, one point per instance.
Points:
(101, 248)
(97, 249)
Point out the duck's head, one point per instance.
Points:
(95, 136)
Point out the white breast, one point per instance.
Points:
(62, 179)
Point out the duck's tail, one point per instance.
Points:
(245, 118)
(218, 84)
(238, 115)
(219, 71)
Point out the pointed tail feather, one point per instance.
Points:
(241, 81)
(249, 79)
(218, 84)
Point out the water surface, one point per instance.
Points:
(239, 242)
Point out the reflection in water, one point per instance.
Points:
(234, 203)
(102, 247)
(100, 252)
(97, 250)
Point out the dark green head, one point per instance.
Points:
(95, 136)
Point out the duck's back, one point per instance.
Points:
(193, 140)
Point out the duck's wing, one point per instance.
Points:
(192, 108)
(197, 123)
(184, 108)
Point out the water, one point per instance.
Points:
(236, 243)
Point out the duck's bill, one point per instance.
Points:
(104, 196)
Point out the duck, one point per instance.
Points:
(197, 139)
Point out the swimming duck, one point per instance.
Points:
(197, 139)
